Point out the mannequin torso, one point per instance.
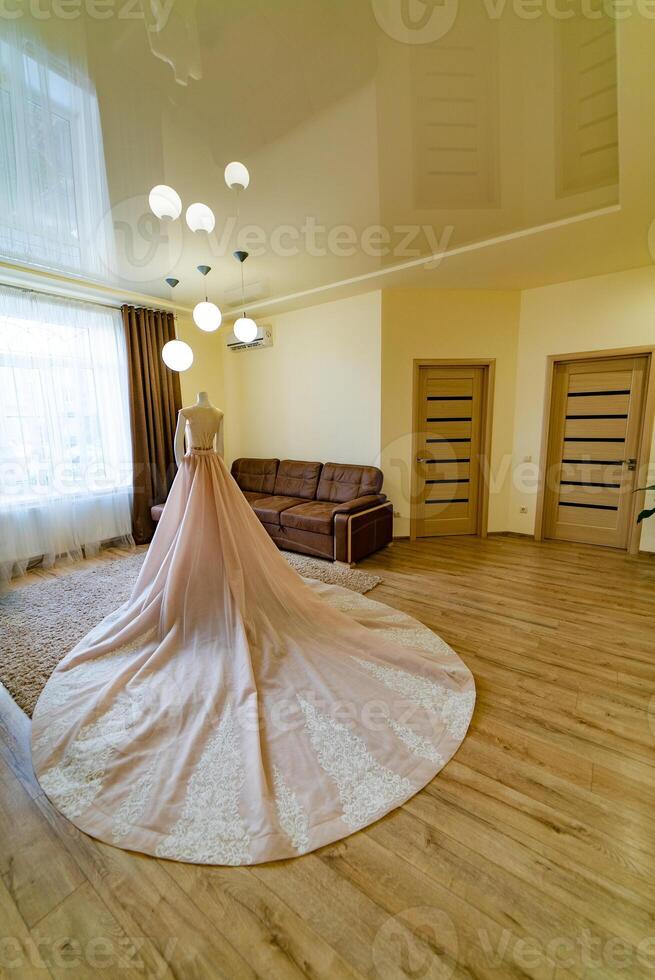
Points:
(203, 426)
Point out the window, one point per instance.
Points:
(53, 190)
(65, 446)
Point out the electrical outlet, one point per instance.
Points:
(524, 510)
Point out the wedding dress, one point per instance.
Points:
(231, 712)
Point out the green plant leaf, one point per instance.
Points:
(644, 514)
(643, 488)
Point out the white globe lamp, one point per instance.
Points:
(245, 329)
(200, 218)
(236, 175)
(207, 316)
(165, 202)
(177, 355)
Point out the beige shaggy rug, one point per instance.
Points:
(41, 622)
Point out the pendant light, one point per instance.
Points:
(245, 328)
(206, 315)
(237, 176)
(177, 355)
(165, 202)
(199, 217)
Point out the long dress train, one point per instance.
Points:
(231, 712)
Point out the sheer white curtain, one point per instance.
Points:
(53, 187)
(65, 443)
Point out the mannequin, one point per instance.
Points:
(202, 424)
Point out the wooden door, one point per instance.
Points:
(595, 428)
(449, 409)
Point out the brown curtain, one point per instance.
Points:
(155, 400)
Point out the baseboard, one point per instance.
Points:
(490, 534)
(510, 534)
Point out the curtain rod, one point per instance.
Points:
(70, 287)
(84, 302)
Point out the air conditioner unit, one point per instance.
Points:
(264, 338)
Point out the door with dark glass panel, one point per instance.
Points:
(449, 439)
(595, 429)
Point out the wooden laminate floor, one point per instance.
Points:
(531, 854)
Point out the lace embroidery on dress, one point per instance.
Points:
(291, 814)
(63, 683)
(53, 698)
(417, 744)
(454, 708)
(74, 782)
(210, 830)
(417, 637)
(345, 602)
(133, 806)
(366, 788)
(408, 632)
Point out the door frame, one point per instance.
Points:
(488, 382)
(645, 438)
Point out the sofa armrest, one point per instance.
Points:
(359, 533)
(360, 503)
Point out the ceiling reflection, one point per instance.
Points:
(375, 132)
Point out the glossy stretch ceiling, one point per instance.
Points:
(377, 133)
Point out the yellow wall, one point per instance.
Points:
(430, 323)
(337, 384)
(315, 394)
(590, 314)
(206, 372)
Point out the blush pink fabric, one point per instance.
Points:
(232, 712)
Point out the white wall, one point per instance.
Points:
(315, 394)
(590, 314)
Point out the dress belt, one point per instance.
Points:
(198, 451)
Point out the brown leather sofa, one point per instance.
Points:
(331, 510)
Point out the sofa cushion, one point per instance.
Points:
(269, 509)
(156, 511)
(297, 478)
(318, 515)
(341, 481)
(253, 495)
(313, 515)
(255, 475)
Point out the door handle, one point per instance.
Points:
(632, 464)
